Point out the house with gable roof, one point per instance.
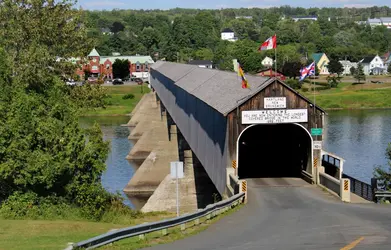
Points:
(322, 61)
(373, 65)
(98, 65)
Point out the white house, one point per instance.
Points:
(228, 35)
(374, 22)
(267, 62)
(202, 63)
(373, 65)
(347, 65)
(311, 18)
(386, 21)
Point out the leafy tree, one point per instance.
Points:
(335, 67)
(117, 27)
(333, 81)
(43, 150)
(352, 71)
(359, 73)
(204, 54)
(121, 68)
(291, 69)
(384, 174)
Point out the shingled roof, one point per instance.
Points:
(219, 89)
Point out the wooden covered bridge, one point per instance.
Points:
(262, 131)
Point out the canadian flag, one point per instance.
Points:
(270, 43)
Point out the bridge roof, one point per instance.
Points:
(219, 89)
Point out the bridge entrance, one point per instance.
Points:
(275, 150)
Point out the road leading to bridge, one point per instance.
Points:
(291, 214)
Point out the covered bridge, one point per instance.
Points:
(264, 131)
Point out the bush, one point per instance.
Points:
(30, 206)
(293, 83)
(128, 96)
(304, 89)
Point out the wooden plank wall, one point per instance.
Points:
(293, 101)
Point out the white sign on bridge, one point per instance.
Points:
(274, 102)
(274, 116)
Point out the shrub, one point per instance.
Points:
(293, 83)
(128, 96)
(30, 206)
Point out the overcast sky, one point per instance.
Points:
(213, 4)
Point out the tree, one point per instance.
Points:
(117, 27)
(291, 69)
(43, 150)
(389, 69)
(333, 81)
(359, 73)
(383, 174)
(335, 67)
(121, 68)
(352, 71)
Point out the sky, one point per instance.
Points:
(217, 4)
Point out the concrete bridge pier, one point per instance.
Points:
(196, 188)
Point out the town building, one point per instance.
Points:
(322, 62)
(228, 35)
(311, 18)
(102, 66)
(272, 73)
(373, 65)
(202, 63)
(374, 22)
(267, 62)
(347, 65)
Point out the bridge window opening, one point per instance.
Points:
(272, 151)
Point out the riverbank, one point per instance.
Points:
(350, 96)
(117, 103)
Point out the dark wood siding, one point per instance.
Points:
(293, 101)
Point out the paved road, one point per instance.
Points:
(289, 214)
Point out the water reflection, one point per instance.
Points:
(360, 137)
(119, 171)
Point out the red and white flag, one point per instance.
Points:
(270, 43)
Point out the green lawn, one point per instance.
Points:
(117, 105)
(349, 96)
(42, 235)
(45, 234)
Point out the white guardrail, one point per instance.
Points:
(209, 212)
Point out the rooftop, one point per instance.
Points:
(317, 56)
(368, 59)
(227, 30)
(200, 62)
(219, 89)
(93, 53)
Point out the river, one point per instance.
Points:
(360, 137)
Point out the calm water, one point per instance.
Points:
(360, 137)
(119, 171)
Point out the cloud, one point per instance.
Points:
(358, 5)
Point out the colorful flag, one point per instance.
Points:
(307, 71)
(244, 80)
(270, 43)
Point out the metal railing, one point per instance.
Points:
(360, 188)
(330, 182)
(209, 211)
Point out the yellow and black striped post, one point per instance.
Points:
(243, 189)
(234, 164)
(346, 185)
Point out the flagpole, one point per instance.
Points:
(313, 81)
(275, 56)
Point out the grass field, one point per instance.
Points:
(117, 105)
(349, 96)
(46, 235)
